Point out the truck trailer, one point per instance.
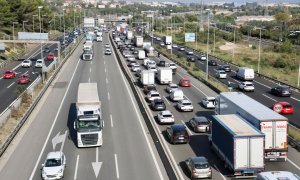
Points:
(149, 50)
(138, 41)
(129, 34)
(147, 77)
(272, 124)
(89, 122)
(167, 40)
(239, 144)
(164, 75)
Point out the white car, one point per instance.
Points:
(189, 52)
(146, 62)
(162, 44)
(172, 66)
(221, 74)
(171, 87)
(39, 63)
(130, 58)
(26, 63)
(181, 48)
(151, 64)
(107, 45)
(174, 46)
(107, 52)
(165, 117)
(202, 58)
(54, 165)
(135, 67)
(209, 102)
(152, 68)
(153, 95)
(246, 86)
(185, 105)
(158, 38)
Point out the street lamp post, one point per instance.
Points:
(64, 25)
(298, 75)
(43, 22)
(40, 7)
(214, 40)
(259, 47)
(33, 21)
(207, 46)
(14, 34)
(233, 48)
(24, 25)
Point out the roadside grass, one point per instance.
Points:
(294, 132)
(244, 55)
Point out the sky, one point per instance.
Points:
(236, 2)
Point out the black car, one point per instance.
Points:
(162, 63)
(158, 105)
(281, 90)
(46, 49)
(148, 88)
(190, 58)
(177, 133)
(212, 63)
(226, 68)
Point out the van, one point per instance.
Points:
(277, 175)
(245, 74)
(176, 95)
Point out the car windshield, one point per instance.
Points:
(249, 84)
(174, 86)
(88, 125)
(187, 104)
(26, 61)
(53, 162)
(285, 88)
(24, 76)
(201, 166)
(222, 72)
(186, 81)
(8, 72)
(155, 95)
(180, 132)
(159, 102)
(167, 115)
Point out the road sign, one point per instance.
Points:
(277, 107)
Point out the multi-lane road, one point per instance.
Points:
(128, 151)
(262, 86)
(199, 145)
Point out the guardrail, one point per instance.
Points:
(7, 112)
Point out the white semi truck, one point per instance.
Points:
(87, 53)
(167, 40)
(138, 41)
(270, 123)
(89, 122)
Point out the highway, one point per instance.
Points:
(198, 145)
(9, 86)
(127, 152)
(262, 86)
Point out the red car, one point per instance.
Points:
(185, 82)
(50, 56)
(24, 79)
(9, 74)
(283, 108)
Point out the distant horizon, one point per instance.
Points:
(236, 2)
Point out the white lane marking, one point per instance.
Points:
(215, 70)
(262, 84)
(295, 99)
(91, 62)
(269, 98)
(294, 164)
(194, 86)
(187, 128)
(63, 143)
(11, 85)
(76, 167)
(104, 62)
(167, 100)
(105, 69)
(26, 72)
(106, 81)
(108, 96)
(52, 126)
(200, 62)
(90, 69)
(111, 121)
(140, 121)
(117, 166)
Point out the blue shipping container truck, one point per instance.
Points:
(238, 144)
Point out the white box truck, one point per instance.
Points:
(272, 124)
(167, 40)
(164, 75)
(141, 54)
(149, 50)
(89, 122)
(138, 41)
(238, 144)
(147, 77)
(129, 35)
(88, 22)
(245, 74)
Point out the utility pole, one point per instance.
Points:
(201, 29)
(207, 46)
(259, 47)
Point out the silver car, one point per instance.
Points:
(171, 87)
(199, 124)
(198, 167)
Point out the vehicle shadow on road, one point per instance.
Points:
(71, 118)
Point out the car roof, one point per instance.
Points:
(178, 127)
(54, 155)
(221, 71)
(154, 92)
(200, 119)
(210, 98)
(279, 175)
(247, 82)
(186, 101)
(166, 112)
(199, 159)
